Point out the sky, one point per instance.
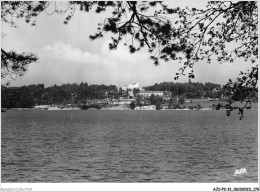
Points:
(67, 55)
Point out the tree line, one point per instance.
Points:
(189, 90)
(31, 95)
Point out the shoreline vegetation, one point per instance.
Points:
(114, 109)
(163, 96)
(199, 106)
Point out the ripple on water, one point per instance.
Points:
(128, 146)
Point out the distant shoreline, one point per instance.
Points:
(116, 109)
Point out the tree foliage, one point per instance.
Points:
(12, 10)
(194, 34)
(188, 34)
(28, 96)
(13, 63)
(244, 89)
(188, 90)
(132, 105)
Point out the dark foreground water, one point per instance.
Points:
(128, 146)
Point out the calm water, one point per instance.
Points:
(128, 146)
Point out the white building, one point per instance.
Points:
(133, 85)
(149, 93)
(41, 107)
(165, 94)
(150, 107)
(124, 88)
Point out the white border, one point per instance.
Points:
(133, 186)
(126, 186)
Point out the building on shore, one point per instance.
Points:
(122, 101)
(129, 89)
(131, 86)
(43, 107)
(150, 93)
(149, 107)
(147, 94)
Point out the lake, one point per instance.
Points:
(128, 146)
